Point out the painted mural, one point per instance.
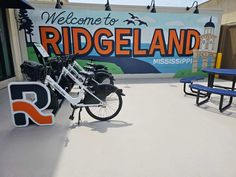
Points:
(180, 44)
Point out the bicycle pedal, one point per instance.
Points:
(71, 117)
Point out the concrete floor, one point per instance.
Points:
(159, 132)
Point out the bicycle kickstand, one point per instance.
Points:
(79, 115)
(72, 114)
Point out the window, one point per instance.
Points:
(203, 44)
(211, 45)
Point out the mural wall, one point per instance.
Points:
(127, 42)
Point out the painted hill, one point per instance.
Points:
(128, 65)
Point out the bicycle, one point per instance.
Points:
(101, 101)
(101, 74)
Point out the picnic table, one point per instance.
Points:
(216, 89)
(223, 72)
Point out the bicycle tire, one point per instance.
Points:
(90, 110)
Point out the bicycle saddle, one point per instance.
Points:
(97, 66)
(89, 68)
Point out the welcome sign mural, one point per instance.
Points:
(127, 42)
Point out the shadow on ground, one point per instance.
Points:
(32, 151)
(213, 106)
(103, 126)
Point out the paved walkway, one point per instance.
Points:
(158, 133)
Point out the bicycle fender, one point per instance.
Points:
(108, 89)
(103, 73)
(100, 76)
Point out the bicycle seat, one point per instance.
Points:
(97, 66)
(86, 74)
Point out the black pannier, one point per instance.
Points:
(33, 71)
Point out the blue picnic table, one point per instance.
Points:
(226, 72)
(223, 72)
(211, 88)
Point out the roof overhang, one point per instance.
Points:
(15, 4)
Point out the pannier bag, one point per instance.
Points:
(33, 71)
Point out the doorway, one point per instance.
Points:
(6, 63)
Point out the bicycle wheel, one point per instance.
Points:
(112, 107)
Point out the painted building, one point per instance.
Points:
(207, 47)
(168, 21)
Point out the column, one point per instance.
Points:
(213, 61)
(195, 61)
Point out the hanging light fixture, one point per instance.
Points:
(196, 11)
(59, 4)
(153, 10)
(107, 6)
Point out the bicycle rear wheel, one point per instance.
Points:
(112, 107)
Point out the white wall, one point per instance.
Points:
(51, 4)
(228, 7)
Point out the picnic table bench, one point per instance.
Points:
(189, 81)
(212, 90)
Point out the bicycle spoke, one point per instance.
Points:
(111, 106)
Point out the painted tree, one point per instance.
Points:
(26, 24)
(30, 29)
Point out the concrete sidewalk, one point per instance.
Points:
(158, 133)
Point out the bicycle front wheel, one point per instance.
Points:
(112, 107)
